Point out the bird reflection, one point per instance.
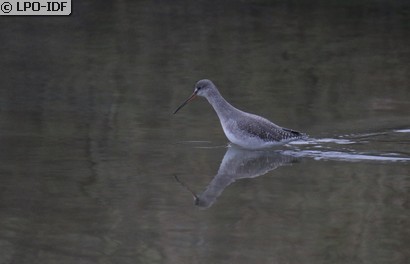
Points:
(238, 164)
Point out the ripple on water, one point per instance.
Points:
(370, 147)
(345, 156)
(402, 130)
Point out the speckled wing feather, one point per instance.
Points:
(266, 130)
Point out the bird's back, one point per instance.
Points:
(252, 131)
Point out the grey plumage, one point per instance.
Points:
(241, 128)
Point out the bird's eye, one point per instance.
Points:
(199, 87)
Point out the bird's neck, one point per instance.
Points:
(220, 105)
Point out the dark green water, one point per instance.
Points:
(94, 167)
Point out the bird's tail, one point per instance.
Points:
(294, 133)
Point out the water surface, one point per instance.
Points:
(94, 167)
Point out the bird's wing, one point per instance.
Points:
(260, 127)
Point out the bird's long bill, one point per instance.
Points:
(192, 97)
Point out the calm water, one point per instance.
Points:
(94, 167)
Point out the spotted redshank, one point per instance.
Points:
(243, 129)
